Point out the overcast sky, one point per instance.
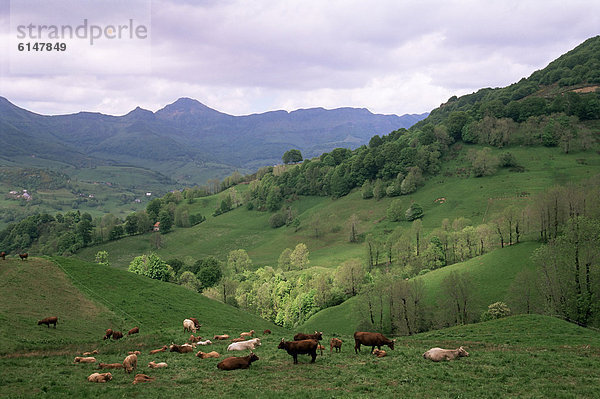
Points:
(242, 57)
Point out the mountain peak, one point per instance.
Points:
(186, 107)
(140, 113)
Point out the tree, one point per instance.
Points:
(151, 266)
(457, 289)
(353, 222)
(412, 180)
(84, 229)
(483, 163)
(292, 156)
(284, 262)
(153, 208)
(131, 224)
(189, 281)
(496, 310)
(367, 189)
(414, 211)
(166, 223)
(350, 276)
(277, 220)
(394, 212)
(238, 261)
(299, 256)
(102, 258)
(209, 271)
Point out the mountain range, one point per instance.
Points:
(185, 140)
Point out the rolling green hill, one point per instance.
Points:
(492, 274)
(525, 356)
(89, 298)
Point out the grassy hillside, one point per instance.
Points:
(492, 274)
(478, 199)
(88, 298)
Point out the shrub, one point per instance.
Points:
(276, 220)
(496, 310)
(415, 211)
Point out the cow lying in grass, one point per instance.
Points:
(221, 337)
(439, 354)
(163, 349)
(247, 334)
(380, 353)
(100, 377)
(234, 363)
(251, 344)
(80, 359)
(154, 365)
(94, 352)
(185, 348)
(142, 378)
(208, 355)
(304, 347)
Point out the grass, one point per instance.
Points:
(525, 356)
(491, 274)
(478, 199)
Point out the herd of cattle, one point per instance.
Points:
(302, 344)
(3, 255)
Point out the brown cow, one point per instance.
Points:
(137, 353)
(196, 323)
(335, 343)
(238, 339)
(221, 337)
(142, 378)
(94, 352)
(194, 338)
(100, 377)
(267, 331)
(79, 359)
(185, 348)
(317, 336)
(110, 366)
(117, 335)
(163, 349)
(24, 256)
(108, 333)
(371, 339)
(247, 334)
(234, 363)
(3, 255)
(304, 347)
(134, 330)
(49, 320)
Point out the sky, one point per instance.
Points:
(243, 57)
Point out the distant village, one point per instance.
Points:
(20, 195)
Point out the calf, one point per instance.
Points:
(251, 344)
(117, 335)
(380, 353)
(130, 363)
(304, 347)
(234, 363)
(49, 320)
(79, 359)
(221, 337)
(317, 336)
(267, 331)
(238, 340)
(134, 330)
(164, 348)
(439, 354)
(371, 339)
(185, 348)
(247, 334)
(108, 333)
(100, 377)
(110, 366)
(3, 255)
(94, 352)
(194, 339)
(335, 343)
(160, 365)
(320, 347)
(204, 343)
(208, 355)
(24, 256)
(142, 378)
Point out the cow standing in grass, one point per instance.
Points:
(304, 347)
(371, 339)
